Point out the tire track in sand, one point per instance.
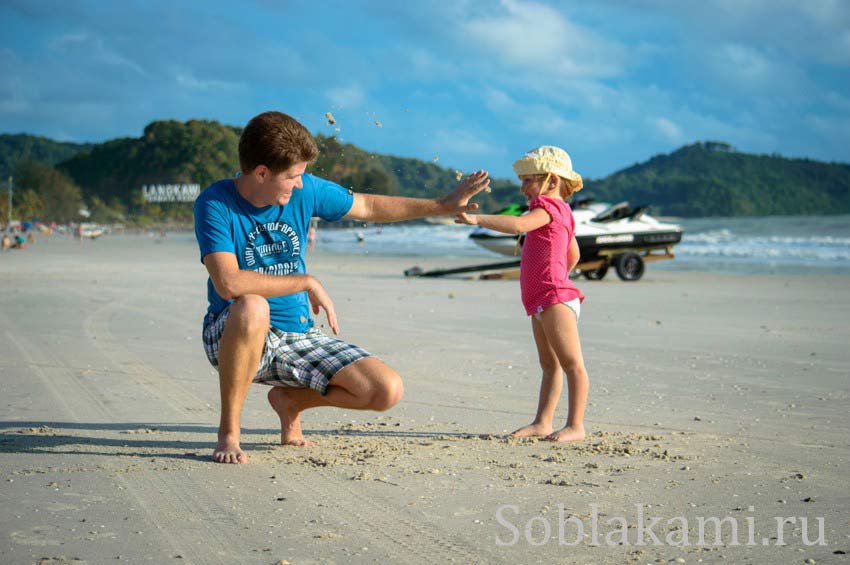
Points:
(164, 387)
(171, 501)
(403, 537)
(411, 540)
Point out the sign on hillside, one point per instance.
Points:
(171, 192)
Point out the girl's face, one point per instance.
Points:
(532, 186)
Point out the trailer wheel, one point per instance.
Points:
(629, 266)
(595, 274)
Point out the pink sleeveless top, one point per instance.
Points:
(544, 278)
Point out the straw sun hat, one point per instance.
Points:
(548, 159)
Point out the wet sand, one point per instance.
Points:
(711, 396)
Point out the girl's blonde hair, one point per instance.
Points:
(564, 187)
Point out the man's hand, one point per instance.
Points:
(465, 218)
(457, 201)
(319, 299)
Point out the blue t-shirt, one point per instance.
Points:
(268, 240)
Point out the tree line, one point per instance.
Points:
(55, 180)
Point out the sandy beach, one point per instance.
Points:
(712, 396)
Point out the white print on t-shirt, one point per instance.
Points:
(273, 248)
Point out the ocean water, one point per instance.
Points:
(763, 245)
(773, 244)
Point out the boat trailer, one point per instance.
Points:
(628, 264)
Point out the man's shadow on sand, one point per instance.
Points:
(46, 437)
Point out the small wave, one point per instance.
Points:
(754, 242)
(723, 235)
(725, 243)
(814, 240)
(713, 236)
(802, 253)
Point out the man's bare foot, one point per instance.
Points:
(567, 433)
(227, 451)
(290, 419)
(532, 430)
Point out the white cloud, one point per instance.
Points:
(12, 99)
(735, 71)
(837, 101)
(611, 81)
(553, 128)
(740, 130)
(462, 142)
(745, 63)
(83, 46)
(14, 86)
(831, 128)
(425, 65)
(817, 31)
(187, 79)
(348, 96)
(499, 102)
(538, 40)
(669, 130)
(69, 39)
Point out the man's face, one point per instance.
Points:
(281, 185)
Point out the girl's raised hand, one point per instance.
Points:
(464, 218)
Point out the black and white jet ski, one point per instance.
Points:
(620, 236)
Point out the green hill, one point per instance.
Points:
(712, 179)
(19, 148)
(196, 151)
(702, 179)
(204, 151)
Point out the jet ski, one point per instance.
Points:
(618, 235)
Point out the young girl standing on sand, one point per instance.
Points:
(549, 253)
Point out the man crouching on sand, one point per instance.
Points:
(252, 234)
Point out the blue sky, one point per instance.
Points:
(474, 83)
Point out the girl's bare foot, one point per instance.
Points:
(567, 433)
(290, 419)
(227, 451)
(532, 430)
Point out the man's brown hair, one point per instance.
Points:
(277, 141)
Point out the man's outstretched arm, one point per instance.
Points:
(385, 209)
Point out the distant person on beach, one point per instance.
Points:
(311, 237)
(550, 298)
(7, 242)
(252, 235)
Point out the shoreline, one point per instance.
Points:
(709, 396)
(470, 256)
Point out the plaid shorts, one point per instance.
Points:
(307, 360)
